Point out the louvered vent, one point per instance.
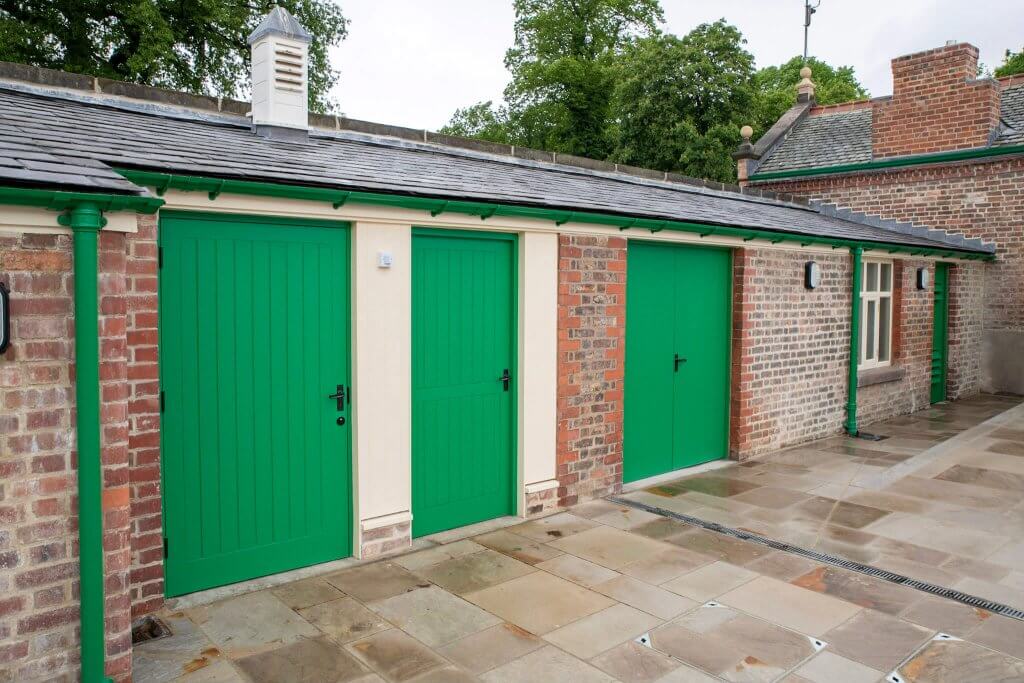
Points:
(289, 69)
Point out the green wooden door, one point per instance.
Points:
(463, 340)
(940, 332)
(253, 337)
(677, 357)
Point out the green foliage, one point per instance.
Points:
(776, 88)
(681, 101)
(563, 69)
(199, 46)
(1012, 64)
(598, 79)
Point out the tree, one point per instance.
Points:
(1013, 63)
(681, 101)
(563, 69)
(199, 46)
(776, 88)
(481, 121)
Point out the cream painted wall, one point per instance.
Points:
(538, 361)
(381, 374)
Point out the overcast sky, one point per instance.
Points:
(413, 62)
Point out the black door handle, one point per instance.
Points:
(676, 362)
(504, 379)
(339, 396)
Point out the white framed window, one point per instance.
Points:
(876, 313)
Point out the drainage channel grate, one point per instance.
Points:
(892, 577)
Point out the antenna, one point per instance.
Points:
(809, 10)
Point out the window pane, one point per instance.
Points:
(871, 277)
(883, 328)
(871, 314)
(886, 285)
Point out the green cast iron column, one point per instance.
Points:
(851, 400)
(85, 220)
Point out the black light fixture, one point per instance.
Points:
(923, 278)
(812, 275)
(5, 317)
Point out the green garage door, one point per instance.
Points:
(253, 338)
(677, 357)
(463, 367)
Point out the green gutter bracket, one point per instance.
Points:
(57, 200)
(86, 220)
(488, 209)
(851, 393)
(896, 162)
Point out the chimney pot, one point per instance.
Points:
(280, 76)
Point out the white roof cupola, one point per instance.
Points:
(280, 76)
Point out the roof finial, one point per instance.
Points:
(746, 132)
(805, 88)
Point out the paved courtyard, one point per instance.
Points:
(606, 592)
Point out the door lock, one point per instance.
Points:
(676, 362)
(339, 396)
(341, 421)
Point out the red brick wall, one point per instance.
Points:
(38, 460)
(591, 333)
(966, 328)
(936, 105)
(114, 451)
(790, 349)
(147, 569)
(983, 199)
(38, 539)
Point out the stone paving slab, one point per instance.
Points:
(601, 594)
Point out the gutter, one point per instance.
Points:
(851, 390)
(84, 215)
(214, 187)
(895, 162)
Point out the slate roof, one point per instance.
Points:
(24, 162)
(127, 134)
(836, 139)
(1011, 111)
(824, 140)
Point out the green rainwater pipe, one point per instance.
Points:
(85, 220)
(851, 395)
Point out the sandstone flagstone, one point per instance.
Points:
(344, 620)
(433, 615)
(491, 648)
(539, 602)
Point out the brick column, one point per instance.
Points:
(114, 452)
(591, 335)
(966, 321)
(147, 568)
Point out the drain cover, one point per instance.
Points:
(149, 628)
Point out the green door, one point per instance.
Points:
(253, 337)
(463, 342)
(940, 332)
(677, 357)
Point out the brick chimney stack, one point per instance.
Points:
(938, 104)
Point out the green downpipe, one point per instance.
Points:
(851, 396)
(85, 220)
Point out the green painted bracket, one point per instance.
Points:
(487, 209)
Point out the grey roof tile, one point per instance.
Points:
(1011, 110)
(117, 135)
(823, 140)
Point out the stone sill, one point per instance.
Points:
(866, 378)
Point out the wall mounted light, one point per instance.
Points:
(5, 317)
(923, 278)
(812, 275)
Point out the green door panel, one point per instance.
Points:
(940, 333)
(253, 337)
(463, 339)
(677, 305)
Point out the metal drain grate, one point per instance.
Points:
(149, 628)
(892, 577)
